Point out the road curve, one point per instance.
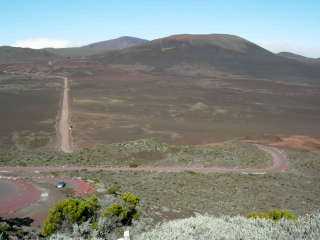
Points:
(279, 164)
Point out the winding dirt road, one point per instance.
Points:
(64, 126)
(279, 164)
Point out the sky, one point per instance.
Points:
(278, 25)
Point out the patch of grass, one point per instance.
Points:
(31, 140)
(304, 162)
(228, 154)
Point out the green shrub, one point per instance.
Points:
(274, 215)
(70, 211)
(130, 199)
(113, 210)
(4, 227)
(125, 212)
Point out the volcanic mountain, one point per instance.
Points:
(99, 47)
(218, 52)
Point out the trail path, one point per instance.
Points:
(279, 164)
(64, 126)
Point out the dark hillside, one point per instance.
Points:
(21, 55)
(226, 53)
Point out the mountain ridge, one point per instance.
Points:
(98, 47)
(221, 52)
(298, 57)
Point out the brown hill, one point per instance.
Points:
(219, 52)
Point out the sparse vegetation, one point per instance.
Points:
(188, 193)
(144, 152)
(114, 190)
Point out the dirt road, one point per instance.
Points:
(279, 159)
(64, 125)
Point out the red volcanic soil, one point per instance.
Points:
(80, 187)
(22, 194)
(298, 142)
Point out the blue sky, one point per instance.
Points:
(278, 25)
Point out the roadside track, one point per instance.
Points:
(279, 164)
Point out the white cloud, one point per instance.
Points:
(38, 43)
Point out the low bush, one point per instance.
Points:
(126, 212)
(82, 219)
(130, 199)
(113, 210)
(70, 211)
(274, 215)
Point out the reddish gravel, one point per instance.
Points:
(80, 187)
(25, 195)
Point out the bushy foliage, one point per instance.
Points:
(84, 221)
(4, 235)
(125, 212)
(236, 228)
(113, 210)
(275, 215)
(130, 199)
(70, 211)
